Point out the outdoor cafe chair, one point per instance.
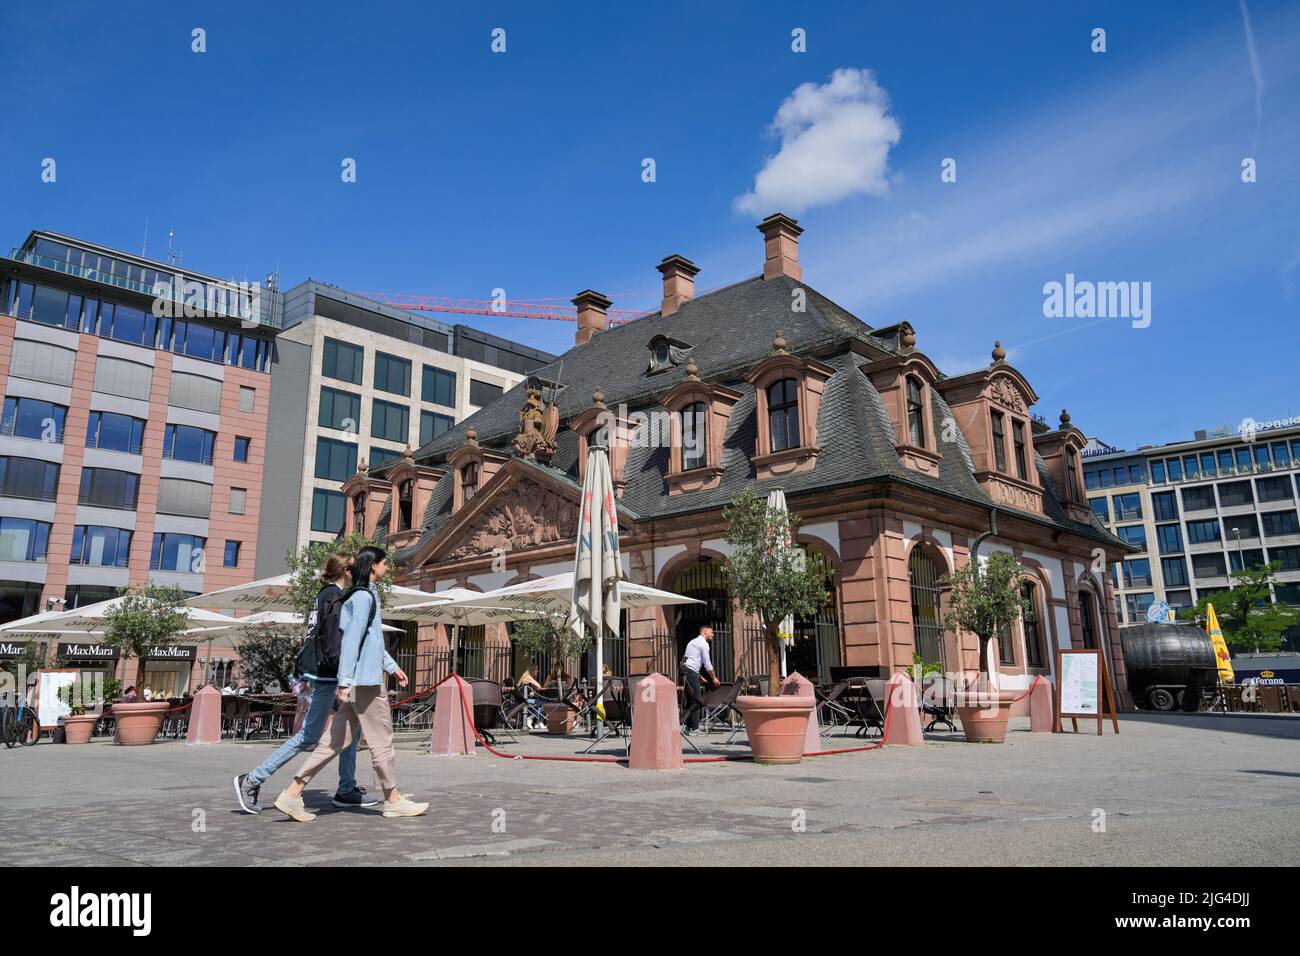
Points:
(864, 697)
(613, 697)
(630, 695)
(487, 706)
(753, 686)
(830, 712)
(938, 702)
(720, 702)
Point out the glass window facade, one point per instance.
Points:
(1133, 534)
(33, 418)
(188, 443)
(328, 510)
(24, 539)
(389, 422)
(1277, 523)
(342, 361)
(1233, 493)
(1137, 573)
(341, 410)
(177, 552)
(1164, 506)
(438, 386)
(1198, 499)
(1174, 571)
(28, 478)
(1199, 532)
(483, 393)
(392, 374)
(242, 446)
(1128, 507)
(335, 460)
(1101, 508)
(101, 547)
(1169, 538)
(432, 425)
(230, 556)
(113, 432)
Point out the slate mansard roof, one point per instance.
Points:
(729, 331)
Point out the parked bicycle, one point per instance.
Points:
(18, 725)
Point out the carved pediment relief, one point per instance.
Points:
(525, 515)
(1004, 392)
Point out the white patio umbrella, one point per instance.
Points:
(776, 500)
(272, 594)
(597, 567)
(93, 617)
(451, 609)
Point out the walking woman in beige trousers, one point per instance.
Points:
(362, 696)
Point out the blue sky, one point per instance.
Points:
(522, 170)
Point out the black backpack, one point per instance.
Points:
(319, 656)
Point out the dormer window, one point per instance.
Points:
(468, 481)
(695, 436)
(1071, 473)
(359, 512)
(666, 354)
(405, 505)
(783, 414)
(915, 413)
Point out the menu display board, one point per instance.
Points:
(1083, 681)
(49, 709)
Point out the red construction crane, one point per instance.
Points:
(516, 309)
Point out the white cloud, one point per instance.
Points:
(835, 142)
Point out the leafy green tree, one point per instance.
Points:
(769, 575)
(1250, 620)
(147, 615)
(305, 566)
(986, 601)
(552, 637)
(270, 654)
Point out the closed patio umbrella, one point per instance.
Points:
(776, 500)
(597, 566)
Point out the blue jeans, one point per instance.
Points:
(305, 740)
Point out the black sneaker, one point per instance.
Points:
(357, 798)
(246, 793)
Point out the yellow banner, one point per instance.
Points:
(1226, 675)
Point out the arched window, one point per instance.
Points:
(915, 413)
(359, 512)
(1088, 620)
(927, 625)
(468, 482)
(1033, 637)
(695, 436)
(405, 505)
(783, 413)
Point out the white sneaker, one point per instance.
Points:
(293, 808)
(404, 807)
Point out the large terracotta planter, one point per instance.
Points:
(776, 726)
(984, 721)
(559, 718)
(77, 729)
(138, 723)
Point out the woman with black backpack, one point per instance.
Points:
(362, 696)
(318, 664)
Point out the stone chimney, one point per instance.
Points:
(592, 315)
(679, 282)
(781, 246)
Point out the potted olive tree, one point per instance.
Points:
(773, 579)
(553, 638)
(985, 601)
(146, 616)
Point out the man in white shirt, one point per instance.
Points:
(696, 660)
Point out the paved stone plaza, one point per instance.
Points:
(1191, 790)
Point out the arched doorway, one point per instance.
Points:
(816, 646)
(927, 624)
(705, 581)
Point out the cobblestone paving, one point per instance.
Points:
(170, 804)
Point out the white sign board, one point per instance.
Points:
(48, 706)
(1080, 687)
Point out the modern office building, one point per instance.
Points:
(131, 442)
(1199, 510)
(356, 382)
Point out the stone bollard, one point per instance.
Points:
(799, 686)
(205, 717)
(1042, 714)
(656, 728)
(903, 716)
(452, 735)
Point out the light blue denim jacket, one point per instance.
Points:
(367, 668)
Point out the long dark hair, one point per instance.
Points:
(366, 559)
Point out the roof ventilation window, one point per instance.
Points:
(666, 354)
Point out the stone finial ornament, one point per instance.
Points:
(363, 467)
(471, 436)
(908, 340)
(692, 370)
(1065, 418)
(779, 344)
(598, 397)
(999, 353)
